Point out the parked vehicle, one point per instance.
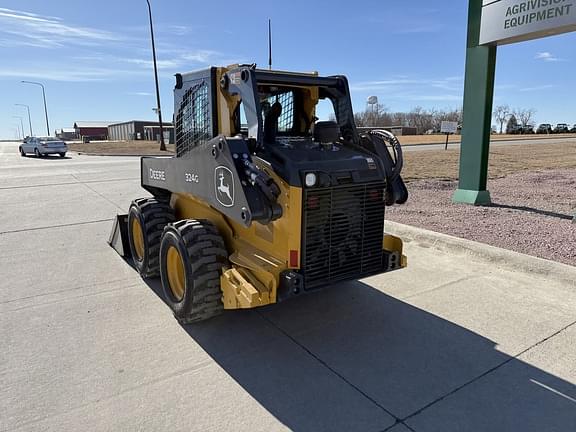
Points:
(562, 128)
(544, 128)
(528, 129)
(43, 146)
(514, 130)
(573, 130)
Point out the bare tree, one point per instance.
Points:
(419, 118)
(501, 114)
(375, 116)
(525, 116)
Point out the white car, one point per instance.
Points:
(43, 146)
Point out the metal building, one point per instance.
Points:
(66, 134)
(139, 130)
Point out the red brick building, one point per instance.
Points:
(92, 130)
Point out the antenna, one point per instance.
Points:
(269, 44)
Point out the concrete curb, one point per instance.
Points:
(501, 258)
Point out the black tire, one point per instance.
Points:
(62, 154)
(22, 152)
(37, 153)
(203, 254)
(152, 215)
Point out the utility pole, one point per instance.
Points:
(44, 97)
(162, 145)
(21, 125)
(29, 118)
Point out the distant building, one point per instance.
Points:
(92, 130)
(66, 134)
(139, 130)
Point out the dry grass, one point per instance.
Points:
(122, 147)
(437, 164)
(504, 160)
(434, 139)
(151, 147)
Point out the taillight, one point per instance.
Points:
(294, 262)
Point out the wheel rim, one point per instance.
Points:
(175, 270)
(137, 239)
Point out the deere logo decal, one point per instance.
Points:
(224, 186)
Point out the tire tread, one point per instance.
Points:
(207, 254)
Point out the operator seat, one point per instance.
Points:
(271, 122)
(326, 132)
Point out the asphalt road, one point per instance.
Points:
(453, 343)
(495, 143)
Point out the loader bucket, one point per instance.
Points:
(119, 236)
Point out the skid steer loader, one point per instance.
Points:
(262, 201)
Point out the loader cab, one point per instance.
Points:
(276, 114)
(267, 108)
(276, 106)
(288, 113)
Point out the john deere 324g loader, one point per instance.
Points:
(262, 202)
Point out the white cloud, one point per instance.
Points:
(547, 57)
(161, 64)
(176, 29)
(435, 98)
(54, 72)
(414, 89)
(416, 29)
(140, 94)
(454, 84)
(98, 57)
(538, 88)
(20, 28)
(178, 61)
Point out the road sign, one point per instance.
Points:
(449, 127)
(509, 21)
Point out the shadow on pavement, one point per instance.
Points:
(47, 157)
(384, 354)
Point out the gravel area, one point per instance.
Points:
(531, 213)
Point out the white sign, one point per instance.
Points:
(449, 127)
(509, 21)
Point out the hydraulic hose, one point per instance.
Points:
(382, 140)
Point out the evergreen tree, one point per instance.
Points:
(512, 125)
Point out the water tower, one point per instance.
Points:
(372, 102)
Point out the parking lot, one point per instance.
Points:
(456, 342)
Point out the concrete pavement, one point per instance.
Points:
(453, 343)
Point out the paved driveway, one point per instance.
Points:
(453, 343)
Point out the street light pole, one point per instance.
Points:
(162, 145)
(17, 134)
(21, 125)
(44, 96)
(29, 118)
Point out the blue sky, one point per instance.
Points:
(95, 61)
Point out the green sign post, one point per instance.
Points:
(477, 120)
(492, 23)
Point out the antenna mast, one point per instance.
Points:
(269, 44)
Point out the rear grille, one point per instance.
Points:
(342, 229)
